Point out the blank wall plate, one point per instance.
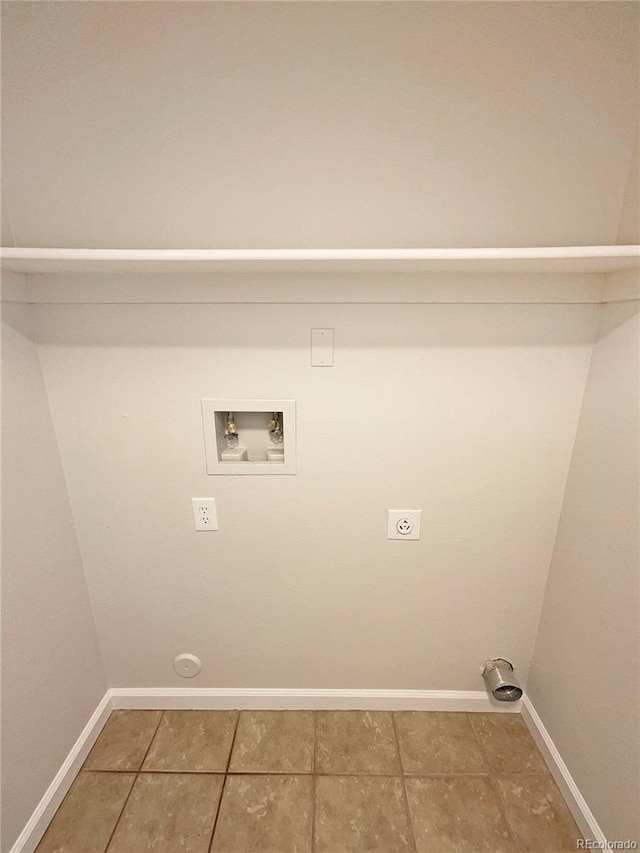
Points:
(321, 347)
(403, 523)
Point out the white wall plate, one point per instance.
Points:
(403, 523)
(251, 417)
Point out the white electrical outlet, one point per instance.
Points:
(204, 513)
(403, 523)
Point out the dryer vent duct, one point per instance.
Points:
(502, 683)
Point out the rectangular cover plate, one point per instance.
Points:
(322, 347)
(213, 439)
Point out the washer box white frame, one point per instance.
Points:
(211, 408)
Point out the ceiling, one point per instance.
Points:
(319, 124)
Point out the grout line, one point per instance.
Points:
(326, 775)
(233, 740)
(215, 820)
(315, 739)
(84, 763)
(405, 796)
(231, 773)
(427, 775)
(314, 785)
(224, 781)
(113, 831)
(503, 809)
(516, 774)
(316, 715)
(395, 734)
(478, 742)
(493, 785)
(354, 775)
(124, 805)
(418, 774)
(103, 770)
(153, 737)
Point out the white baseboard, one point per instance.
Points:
(281, 699)
(35, 827)
(577, 804)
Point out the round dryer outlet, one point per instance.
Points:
(187, 666)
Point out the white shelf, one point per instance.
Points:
(562, 259)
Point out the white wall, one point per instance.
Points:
(629, 227)
(52, 673)
(160, 125)
(466, 411)
(584, 678)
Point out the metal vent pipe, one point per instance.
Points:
(502, 683)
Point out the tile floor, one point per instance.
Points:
(303, 781)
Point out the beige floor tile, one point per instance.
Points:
(167, 812)
(123, 741)
(265, 814)
(273, 742)
(457, 814)
(437, 742)
(356, 742)
(193, 741)
(361, 813)
(507, 743)
(539, 817)
(88, 814)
